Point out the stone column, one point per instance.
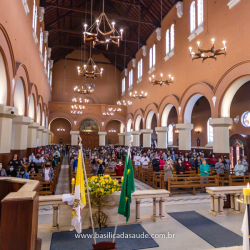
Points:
(136, 138)
(162, 137)
(55, 225)
(102, 138)
(147, 137)
(127, 138)
(184, 135)
(121, 138)
(20, 133)
(49, 139)
(221, 134)
(74, 137)
(40, 136)
(138, 210)
(6, 127)
(45, 137)
(32, 132)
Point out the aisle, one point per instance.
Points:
(62, 186)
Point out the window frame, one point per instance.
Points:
(170, 134)
(123, 86)
(192, 17)
(210, 133)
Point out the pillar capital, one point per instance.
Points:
(136, 132)
(45, 131)
(102, 133)
(22, 120)
(184, 126)
(8, 112)
(40, 128)
(74, 132)
(146, 131)
(127, 133)
(34, 125)
(161, 129)
(221, 122)
(121, 134)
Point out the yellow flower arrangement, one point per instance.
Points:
(102, 185)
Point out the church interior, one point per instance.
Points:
(88, 87)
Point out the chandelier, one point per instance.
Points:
(124, 103)
(114, 110)
(90, 70)
(90, 89)
(112, 131)
(107, 114)
(102, 31)
(76, 112)
(61, 129)
(208, 53)
(80, 100)
(138, 96)
(161, 81)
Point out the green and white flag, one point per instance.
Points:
(128, 187)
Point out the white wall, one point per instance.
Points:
(3, 82)
(19, 97)
(32, 107)
(38, 114)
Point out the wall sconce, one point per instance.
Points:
(198, 131)
(176, 131)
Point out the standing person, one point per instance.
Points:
(198, 162)
(180, 167)
(94, 168)
(173, 157)
(22, 174)
(213, 161)
(112, 164)
(144, 161)
(137, 159)
(47, 172)
(15, 162)
(245, 163)
(204, 171)
(156, 163)
(101, 167)
(119, 169)
(227, 162)
(162, 162)
(192, 161)
(239, 168)
(168, 172)
(187, 164)
(2, 171)
(220, 167)
(124, 154)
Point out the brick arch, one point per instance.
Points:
(165, 106)
(62, 114)
(190, 96)
(138, 112)
(85, 116)
(150, 108)
(40, 102)
(128, 118)
(232, 76)
(117, 117)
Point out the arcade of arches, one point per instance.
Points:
(211, 97)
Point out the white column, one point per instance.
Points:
(121, 138)
(102, 138)
(6, 127)
(32, 132)
(74, 137)
(20, 132)
(147, 137)
(136, 138)
(184, 135)
(40, 136)
(162, 136)
(127, 138)
(45, 137)
(221, 134)
(49, 137)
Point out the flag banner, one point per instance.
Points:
(79, 198)
(245, 229)
(128, 187)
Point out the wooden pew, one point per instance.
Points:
(239, 180)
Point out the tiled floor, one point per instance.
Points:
(184, 238)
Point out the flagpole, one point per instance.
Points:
(130, 142)
(86, 180)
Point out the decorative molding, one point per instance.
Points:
(151, 70)
(158, 34)
(49, 52)
(41, 13)
(123, 93)
(51, 63)
(191, 37)
(214, 100)
(13, 84)
(46, 36)
(133, 62)
(41, 56)
(126, 72)
(179, 7)
(144, 50)
(26, 6)
(196, 32)
(179, 109)
(139, 80)
(231, 3)
(170, 54)
(130, 87)
(35, 36)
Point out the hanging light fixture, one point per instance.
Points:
(135, 95)
(112, 131)
(161, 81)
(114, 110)
(107, 114)
(80, 100)
(76, 112)
(81, 90)
(208, 53)
(90, 70)
(102, 31)
(124, 103)
(61, 129)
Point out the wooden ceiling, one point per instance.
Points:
(64, 20)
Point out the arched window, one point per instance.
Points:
(50, 78)
(210, 133)
(34, 23)
(192, 17)
(150, 58)
(172, 37)
(154, 54)
(200, 12)
(139, 69)
(167, 42)
(130, 82)
(123, 86)
(41, 41)
(45, 58)
(170, 134)
(48, 68)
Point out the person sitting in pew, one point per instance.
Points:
(33, 165)
(187, 164)
(11, 172)
(2, 171)
(180, 167)
(119, 169)
(47, 172)
(22, 174)
(239, 168)
(32, 171)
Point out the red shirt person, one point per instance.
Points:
(119, 169)
(213, 160)
(187, 164)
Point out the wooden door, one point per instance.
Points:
(90, 139)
